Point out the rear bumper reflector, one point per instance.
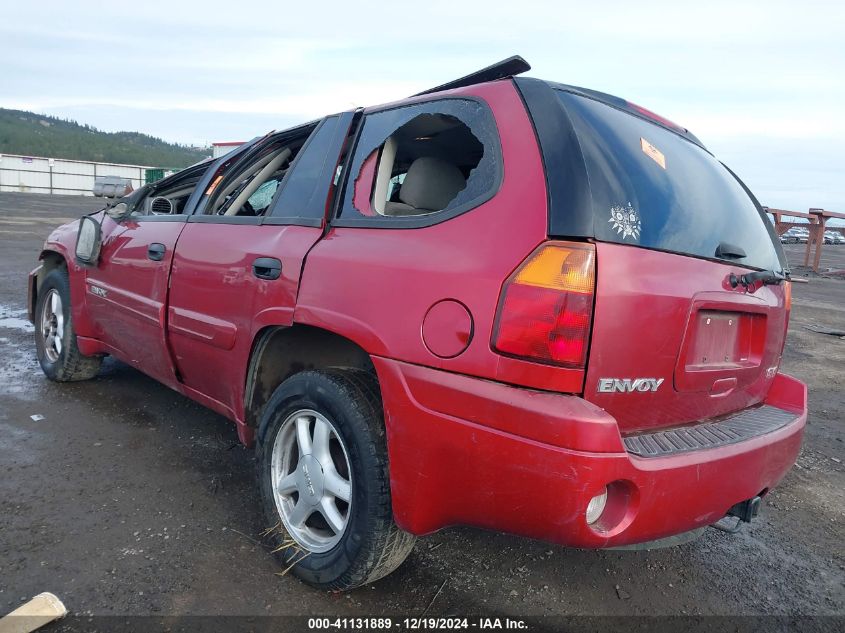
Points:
(738, 427)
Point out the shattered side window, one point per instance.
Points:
(262, 197)
(423, 159)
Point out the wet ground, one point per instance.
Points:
(127, 498)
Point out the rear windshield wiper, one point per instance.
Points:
(768, 277)
(729, 251)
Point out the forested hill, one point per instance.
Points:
(39, 135)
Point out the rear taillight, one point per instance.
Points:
(656, 117)
(546, 306)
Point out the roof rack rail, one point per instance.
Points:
(509, 67)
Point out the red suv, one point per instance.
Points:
(504, 303)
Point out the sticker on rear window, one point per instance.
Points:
(653, 153)
(626, 221)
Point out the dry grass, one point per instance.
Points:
(287, 543)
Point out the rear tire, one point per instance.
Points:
(344, 544)
(55, 339)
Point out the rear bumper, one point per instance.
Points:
(472, 452)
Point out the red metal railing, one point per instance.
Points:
(816, 225)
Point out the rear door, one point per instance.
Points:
(673, 340)
(237, 270)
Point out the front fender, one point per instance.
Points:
(62, 243)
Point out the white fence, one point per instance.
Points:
(56, 175)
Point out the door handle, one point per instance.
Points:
(267, 268)
(156, 252)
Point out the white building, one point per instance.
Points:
(220, 149)
(70, 177)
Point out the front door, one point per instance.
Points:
(127, 291)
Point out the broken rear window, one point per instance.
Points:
(653, 188)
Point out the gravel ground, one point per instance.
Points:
(129, 499)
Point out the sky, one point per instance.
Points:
(762, 84)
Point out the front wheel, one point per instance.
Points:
(55, 338)
(322, 469)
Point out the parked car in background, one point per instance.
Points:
(504, 302)
(833, 237)
(111, 186)
(794, 235)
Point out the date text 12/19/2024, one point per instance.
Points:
(415, 624)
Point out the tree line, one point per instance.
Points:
(33, 134)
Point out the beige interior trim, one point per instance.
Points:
(385, 170)
(258, 180)
(224, 193)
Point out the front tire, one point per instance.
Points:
(55, 339)
(323, 477)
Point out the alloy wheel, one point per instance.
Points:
(52, 325)
(311, 478)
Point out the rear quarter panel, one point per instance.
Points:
(375, 285)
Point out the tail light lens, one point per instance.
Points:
(546, 307)
(656, 117)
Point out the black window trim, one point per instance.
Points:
(421, 221)
(282, 185)
(345, 121)
(175, 217)
(571, 190)
(290, 221)
(255, 220)
(225, 219)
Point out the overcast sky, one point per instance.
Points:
(761, 83)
